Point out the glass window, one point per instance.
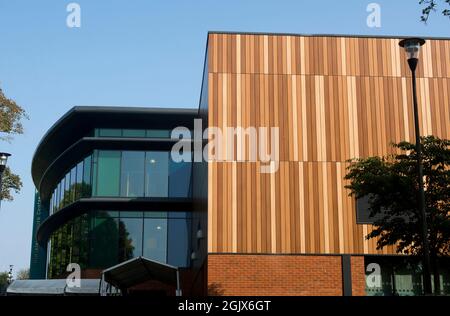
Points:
(109, 132)
(56, 202)
(84, 241)
(108, 173)
(152, 214)
(133, 133)
(61, 193)
(66, 197)
(157, 174)
(180, 179)
(114, 214)
(87, 191)
(76, 233)
(158, 133)
(130, 240)
(79, 180)
(155, 239)
(131, 214)
(56, 206)
(101, 239)
(180, 214)
(51, 205)
(132, 173)
(104, 241)
(55, 199)
(73, 183)
(178, 243)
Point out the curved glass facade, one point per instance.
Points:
(112, 173)
(101, 239)
(75, 184)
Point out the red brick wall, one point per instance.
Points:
(358, 276)
(230, 274)
(91, 273)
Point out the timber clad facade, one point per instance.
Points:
(333, 99)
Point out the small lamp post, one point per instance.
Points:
(412, 48)
(10, 274)
(3, 161)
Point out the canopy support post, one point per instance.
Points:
(178, 291)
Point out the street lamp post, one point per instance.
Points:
(3, 161)
(412, 49)
(10, 274)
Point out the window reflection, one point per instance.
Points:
(157, 174)
(108, 173)
(132, 174)
(73, 182)
(155, 239)
(134, 133)
(130, 240)
(66, 195)
(61, 193)
(178, 242)
(79, 181)
(180, 179)
(108, 132)
(87, 163)
(104, 238)
(74, 185)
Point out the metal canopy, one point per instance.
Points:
(138, 270)
(36, 287)
(87, 287)
(53, 287)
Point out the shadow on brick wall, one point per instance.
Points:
(215, 289)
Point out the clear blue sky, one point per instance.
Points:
(141, 53)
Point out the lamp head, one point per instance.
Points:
(412, 47)
(3, 160)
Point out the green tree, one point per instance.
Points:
(391, 183)
(3, 282)
(23, 274)
(11, 117)
(10, 182)
(430, 6)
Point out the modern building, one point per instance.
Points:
(108, 190)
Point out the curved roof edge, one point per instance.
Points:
(80, 120)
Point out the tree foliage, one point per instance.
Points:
(3, 280)
(10, 182)
(23, 274)
(391, 183)
(431, 6)
(11, 117)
